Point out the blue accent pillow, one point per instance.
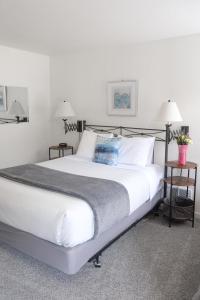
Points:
(107, 150)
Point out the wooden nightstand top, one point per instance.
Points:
(57, 147)
(60, 149)
(175, 164)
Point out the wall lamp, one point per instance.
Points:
(170, 113)
(65, 111)
(17, 111)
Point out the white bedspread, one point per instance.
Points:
(65, 220)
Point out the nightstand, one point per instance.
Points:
(61, 150)
(180, 208)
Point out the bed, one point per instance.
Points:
(58, 229)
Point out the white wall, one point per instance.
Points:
(26, 142)
(168, 69)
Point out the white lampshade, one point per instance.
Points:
(169, 112)
(16, 109)
(64, 110)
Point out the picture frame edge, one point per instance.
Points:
(109, 98)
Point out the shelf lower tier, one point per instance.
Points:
(180, 181)
(182, 209)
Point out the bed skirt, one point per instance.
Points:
(70, 260)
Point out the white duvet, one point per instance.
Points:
(65, 220)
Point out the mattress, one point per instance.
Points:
(65, 220)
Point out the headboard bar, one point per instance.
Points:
(124, 127)
(128, 131)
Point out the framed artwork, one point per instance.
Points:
(3, 100)
(122, 98)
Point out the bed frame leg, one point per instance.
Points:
(156, 211)
(96, 261)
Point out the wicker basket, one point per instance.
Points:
(182, 208)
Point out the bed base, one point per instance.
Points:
(71, 260)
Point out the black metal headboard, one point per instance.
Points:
(159, 134)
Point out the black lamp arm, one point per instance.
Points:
(69, 126)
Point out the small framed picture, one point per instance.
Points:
(122, 98)
(3, 101)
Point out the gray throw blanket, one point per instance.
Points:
(108, 199)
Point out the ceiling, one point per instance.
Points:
(57, 26)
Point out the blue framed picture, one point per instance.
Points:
(122, 98)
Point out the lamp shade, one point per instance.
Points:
(16, 109)
(64, 110)
(169, 112)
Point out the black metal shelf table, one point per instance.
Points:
(61, 150)
(186, 181)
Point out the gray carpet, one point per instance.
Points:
(151, 262)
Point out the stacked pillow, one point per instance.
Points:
(106, 149)
(88, 142)
(136, 151)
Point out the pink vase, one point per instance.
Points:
(182, 153)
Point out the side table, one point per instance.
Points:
(61, 150)
(179, 181)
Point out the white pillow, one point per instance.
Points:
(88, 142)
(136, 151)
(150, 156)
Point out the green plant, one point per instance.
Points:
(183, 139)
